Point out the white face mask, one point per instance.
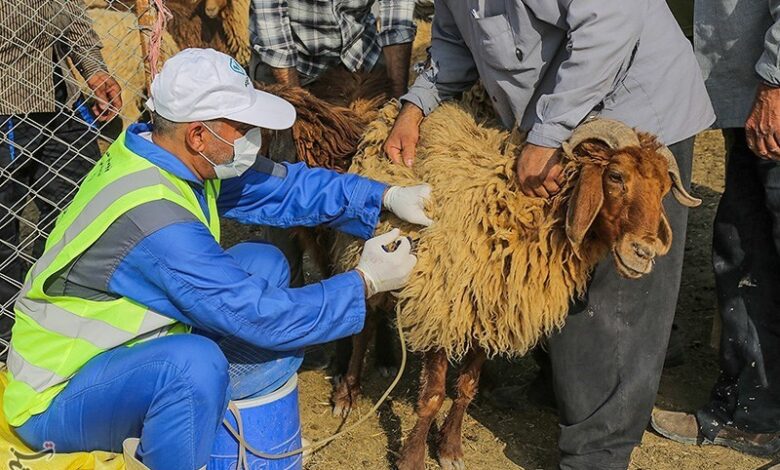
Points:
(245, 150)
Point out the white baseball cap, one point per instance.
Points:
(203, 84)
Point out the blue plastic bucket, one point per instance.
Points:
(272, 424)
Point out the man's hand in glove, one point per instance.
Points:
(408, 203)
(386, 262)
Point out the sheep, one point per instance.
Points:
(326, 136)
(218, 24)
(498, 270)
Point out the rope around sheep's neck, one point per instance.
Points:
(244, 446)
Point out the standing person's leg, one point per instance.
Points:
(170, 392)
(607, 359)
(744, 408)
(255, 371)
(66, 150)
(17, 136)
(746, 244)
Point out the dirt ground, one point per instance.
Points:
(525, 438)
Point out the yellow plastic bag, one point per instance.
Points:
(14, 455)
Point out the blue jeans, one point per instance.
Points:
(171, 392)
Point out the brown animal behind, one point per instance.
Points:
(222, 25)
(326, 135)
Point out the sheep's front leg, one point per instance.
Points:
(348, 387)
(431, 397)
(450, 439)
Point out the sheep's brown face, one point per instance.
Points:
(632, 217)
(619, 201)
(213, 7)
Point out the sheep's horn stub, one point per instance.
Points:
(613, 133)
(678, 189)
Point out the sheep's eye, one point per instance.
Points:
(615, 177)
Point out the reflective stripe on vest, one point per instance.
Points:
(70, 330)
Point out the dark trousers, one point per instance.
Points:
(43, 156)
(746, 260)
(607, 359)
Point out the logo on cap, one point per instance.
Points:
(235, 67)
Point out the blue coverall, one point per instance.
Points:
(172, 391)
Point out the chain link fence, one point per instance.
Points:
(52, 124)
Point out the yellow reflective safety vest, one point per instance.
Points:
(54, 336)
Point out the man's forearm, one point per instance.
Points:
(397, 59)
(82, 42)
(287, 76)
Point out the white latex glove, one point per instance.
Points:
(386, 270)
(408, 203)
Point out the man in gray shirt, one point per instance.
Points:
(547, 65)
(738, 46)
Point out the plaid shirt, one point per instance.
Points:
(312, 35)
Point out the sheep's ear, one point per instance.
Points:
(585, 203)
(664, 234)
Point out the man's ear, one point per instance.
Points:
(193, 136)
(585, 203)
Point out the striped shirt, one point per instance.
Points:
(34, 34)
(312, 35)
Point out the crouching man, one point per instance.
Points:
(95, 356)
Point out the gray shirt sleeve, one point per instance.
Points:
(768, 66)
(450, 68)
(601, 39)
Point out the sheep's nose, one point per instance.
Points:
(643, 251)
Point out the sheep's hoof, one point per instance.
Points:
(387, 371)
(452, 464)
(410, 464)
(341, 409)
(343, 398)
